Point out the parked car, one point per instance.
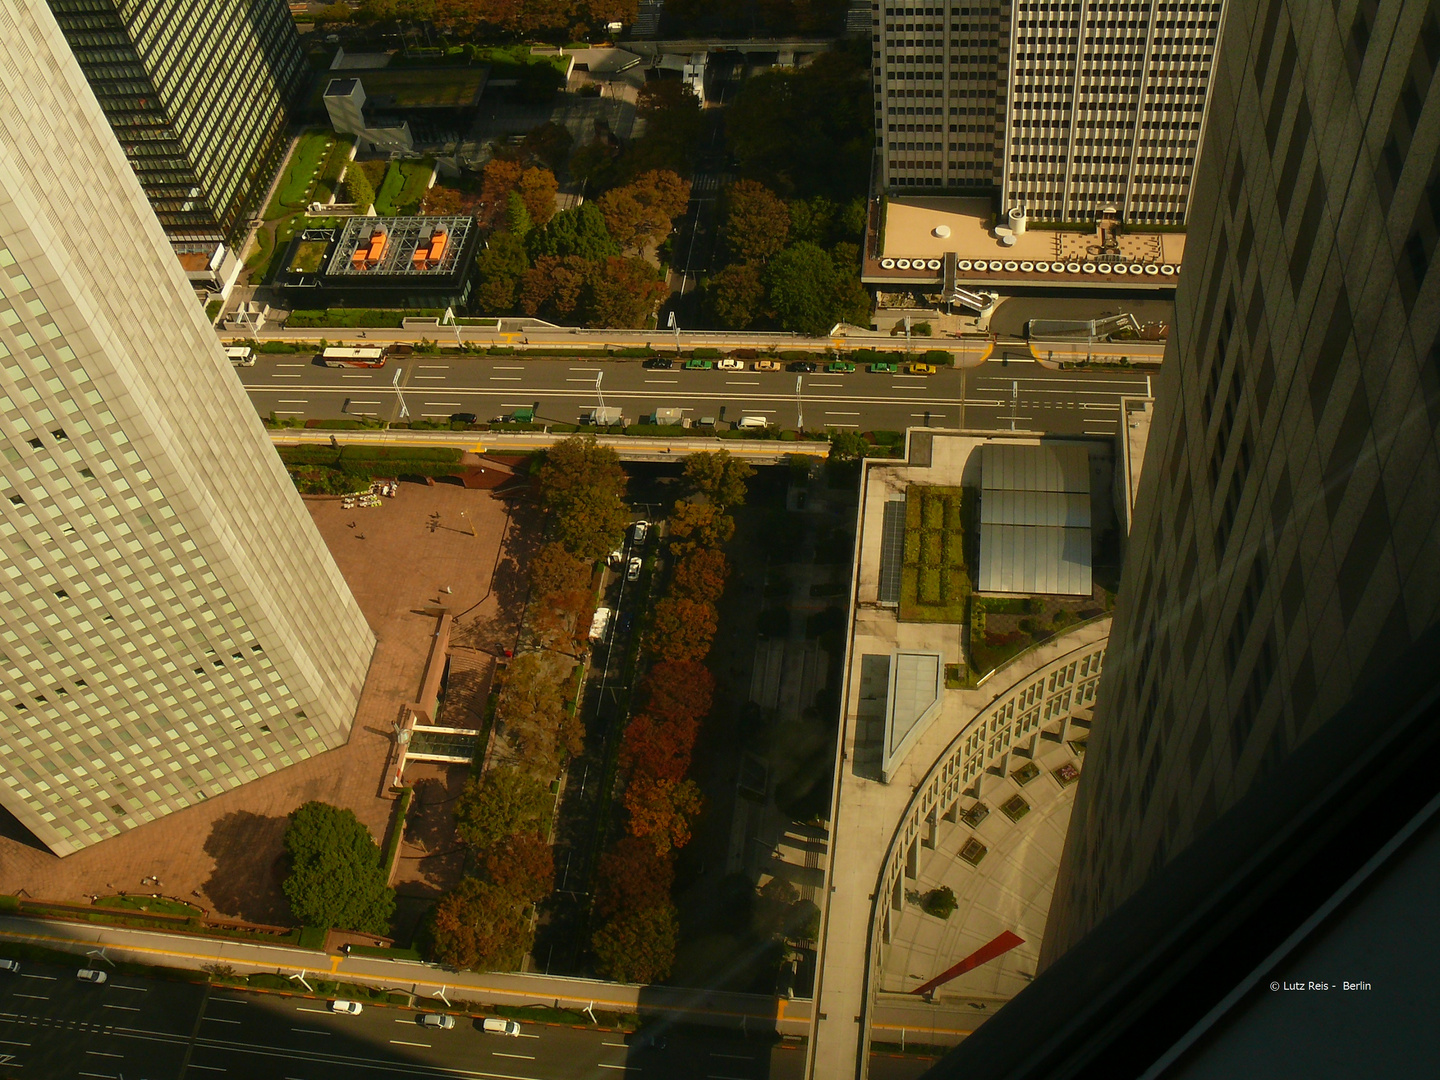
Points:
(463, 418)
(443, 1021)
(632, 571)
(12, 966)
(920, 369)
(729, 364)
(698, 365)
(803, 366)
(659, 363)
(753, 423)
(348, 1008)
(493, 1025)
(642, 530)
(90, 975)
(768, 365)
(840, 367)
(883, 368)
(615, 558)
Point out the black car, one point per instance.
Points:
(462, 418)
(805, 367)
(660, 363)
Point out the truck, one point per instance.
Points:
(669, 417)
(605, 417)
(600, 624)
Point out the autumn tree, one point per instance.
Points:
(524, 866)
(682, 629)
(580, 486)
(536, 188)
(532, 705)
(734, 297)
(673, 129)
(554, 287)
(643, 211)
(661, 810)
(701, 575)
(721, 478)
(622, 293)
(674, 690)
(659, 749)
(548, 144)
(502, 803)
(695, 525)
(499, 179)
(638, 945)
(479, 925)
(630, 876)
(443, 200)
(553, 570)
(757, 222)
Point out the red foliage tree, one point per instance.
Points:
(501, 178)
(659, 749)
(661, 810)
(524, 866)
(701, 575)
(678, 690)
(683, 629)
(632, 876)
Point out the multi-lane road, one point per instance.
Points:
(56, 1027)
(1010, 390)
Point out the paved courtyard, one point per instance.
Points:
(226, 853)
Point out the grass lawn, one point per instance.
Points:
(359, 317)
(293, 192)
(417, 88)
(935, 578)
(159, 905)
(308, 255)
(404, 186)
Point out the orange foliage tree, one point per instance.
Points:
(661, 810)
(701, 575)
(658, 748)
(678, 690)
(682, 629)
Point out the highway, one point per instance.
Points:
(56, 1027)
(1009, 390)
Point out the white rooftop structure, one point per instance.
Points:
(1035, 519)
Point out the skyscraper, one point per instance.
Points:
(198, 95)
(1267, 723)
(1063, 108)
(171, 624)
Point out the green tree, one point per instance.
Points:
(809, 293)
(622, 293)
(580, 231)
(532, 705)
(637, 946)
(673, 129)
(503, 803)
(580, 486)
(479, 925)
(644, 210)
(362, 192)
(498, 271)
(734, 297)
(517, 217)
(847, 446)
(335, 878)
(699, 525)
(721, 478)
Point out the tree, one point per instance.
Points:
(503, 803)
(335, 879)
(537, 188)
(622, 293)
(682, 629)
(701, 575)
(479, 925)
(499, 179)
(803, 288)
(701, 524)
(498, 271)
(532, 704)
(554, 287)
(847, 446)
(661, 810)
(554, 571)
(549, 144)
(673, 129)
(812, 220)
(362, 192)
(734, 297)
(675, 690)
(658, 749)
(643, 211)
(524, 866)
(580, 486)
(333, 13)
(517, 218)
(443, 200)
(756, 221)
(632, 876)
(580, 231)
(637, 946)
(718, 476)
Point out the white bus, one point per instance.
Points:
(372, 356)
(241, 355)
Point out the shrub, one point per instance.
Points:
(335, 878)
(940, 902)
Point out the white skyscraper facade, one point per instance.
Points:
(1063, 108)
(171, 623)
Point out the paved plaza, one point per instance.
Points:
(225, 853)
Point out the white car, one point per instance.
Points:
(349, 1008)
(11, 966)
(729, 364)
(90, 975)
(632, 572)
(443, 1021)
(494, 1025)
(642, 529)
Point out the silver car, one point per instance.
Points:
(443, 1021)
(90, 975)
(632, 572)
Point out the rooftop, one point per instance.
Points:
(911, 237)
(420, 245)
(340, 87)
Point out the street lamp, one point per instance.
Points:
(676, 327)
(799, 405)
(404, 409)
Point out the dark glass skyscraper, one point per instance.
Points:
(198, 93)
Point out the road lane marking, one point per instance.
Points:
(433, 367)
(830, 412)
(343, 377)
(602, 1065)
(312, 1031)
(506, 378)
(37, 997)
(501, 1053)
(625, 1045)
(524, 1036)
(662, 382)
(432, 376)
(219, 1020)
(303, 1008)
(732, 1057)
(12, 1042)
(292, 365)
(302, 401)
(510, 367)
(122, 986)
(742, 382)
(590, 381)
(126, 1008)
(239, 1001)
(441, 403)
(207, 1068)
(402, 1042)
(103, 1076)
(47, 978)
(100, 1053)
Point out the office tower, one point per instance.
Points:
(1266, 726)
(1064, 108)
(172, 623)
(198, 95)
